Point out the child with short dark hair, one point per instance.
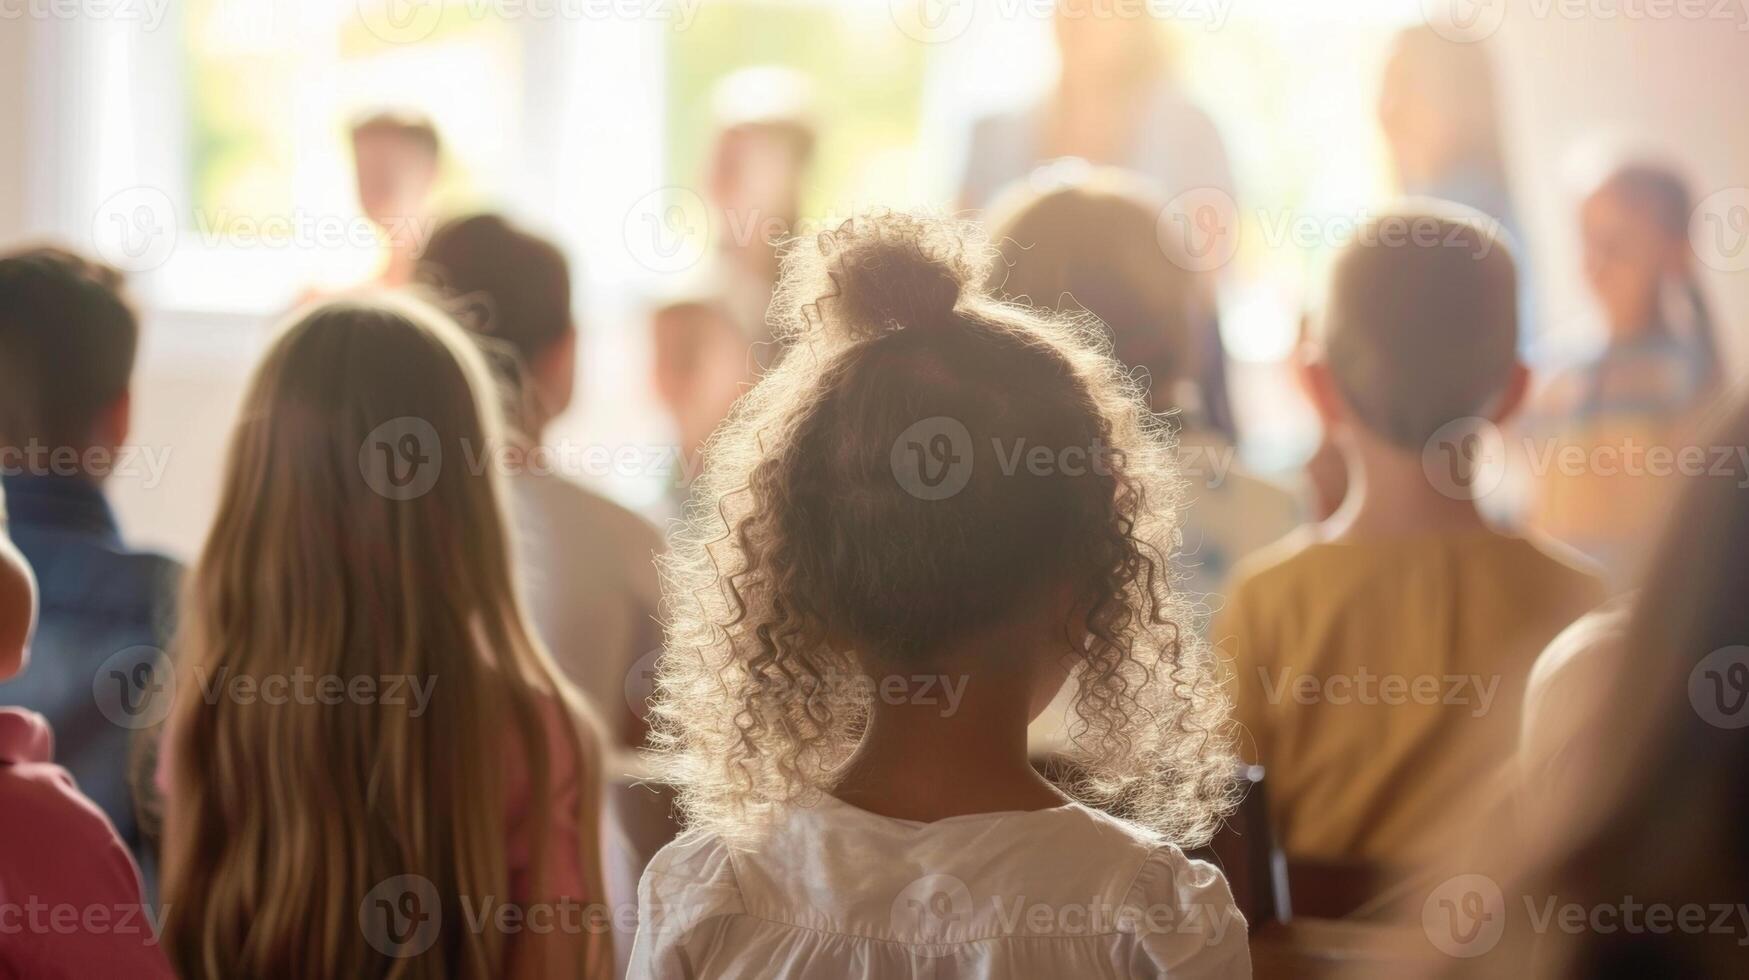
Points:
(587, 565)
(67, 342)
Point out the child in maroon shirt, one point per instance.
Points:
(70, 902)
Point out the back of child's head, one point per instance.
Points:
(1659, 191)
(355, 539)
(67, 342)
(1421, 322)
(517, 284)
(926, 466)
(1638, 254)
(1095, 246)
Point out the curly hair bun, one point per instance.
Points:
(895, 271)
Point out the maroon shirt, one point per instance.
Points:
(70, 903)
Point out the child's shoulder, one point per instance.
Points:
(690, 879)
(1557, 564)
(696, 855)
(1290, 557)
(41, 798)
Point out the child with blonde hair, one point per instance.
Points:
(932, 513)
(1379, 656)
(371, 768)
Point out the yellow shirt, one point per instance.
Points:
(1380, 680)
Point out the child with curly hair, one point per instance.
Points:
(908, 536)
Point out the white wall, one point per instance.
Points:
(1674, 85)
(14, 52)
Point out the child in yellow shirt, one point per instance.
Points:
(1378, 658)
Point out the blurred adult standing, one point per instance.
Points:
(1115, 103)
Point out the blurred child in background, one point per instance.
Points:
(587, 565)
(1656, 811)
(443, 764)
(1379, 656)
(68, 338)
(864, 519)
(58, 851)
(1093, 248)
(1656, 372)
(710, 343)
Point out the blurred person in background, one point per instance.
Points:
(67, 342)
(1407, 584)
(1115, 103)
(1657, 371)
(1630, 859)
(587, 565)
(397, 156)
(1438, 112)
(711, 340)
(1091, 248)
(1440, 117)
(1440, 121)
(57, 851)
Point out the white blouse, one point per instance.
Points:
(838, 893)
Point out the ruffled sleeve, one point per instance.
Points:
(1185, 921)
(686, 892)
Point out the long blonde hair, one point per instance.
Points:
(803, 537)
(357, 537)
